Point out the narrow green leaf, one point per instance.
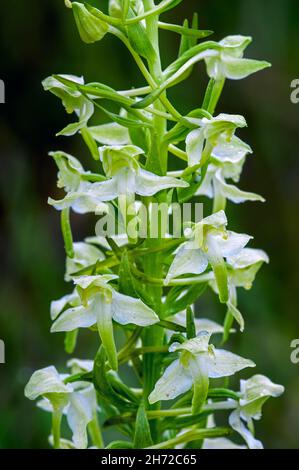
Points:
(103, 386)
(139, 40)
(142, 437)
(191, 329)
(220, 393)
(149, 99)
(186, 421)
(120, 445)
(184, 44)
(185, 30)
(180, 297)
(126, 281)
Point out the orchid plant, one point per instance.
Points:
(146, 287)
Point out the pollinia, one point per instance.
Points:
(136, 292)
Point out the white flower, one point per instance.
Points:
(72, 100)
(210, 245)
(198, 361)
(100, 304)
(227, 160)
(254, 393)
(228, 62)
(126, 178)
(77, 400)
(210, 131)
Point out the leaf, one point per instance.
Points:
(140, 137)
(102, 384)
(180, 297)
(184, 44)
(190, 324)
(185, 31)
(139, 39)
(220, 393)
(119, 445)
(125, 122)
(149, 99)
(142, 437)
(186, 421)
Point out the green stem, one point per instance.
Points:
(213, 94)
(193, 436)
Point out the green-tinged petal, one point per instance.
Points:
(244, 266)
(229, 62)
(127, 309)
(194, 346)
(237, 424)
(216, 220)
(187, 261)
(230, 151)
(73, 318)
(79, 414)
(71, 98)
(247, 257)
(234, 194)
(254, 392)
(230, 243)
(148, 184)
(91, 28)
(110, 134)
(47, 382)
(118, 157)
(194, 146)
(88, 198)
(57, 306)
(236, 69)
(85, 111)
(100, 280)
(201, 324)
(235, 45)
(70, 170)
(224, 363)
(175, 381)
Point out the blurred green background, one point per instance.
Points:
(38, 38)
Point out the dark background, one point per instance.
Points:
(38, 38)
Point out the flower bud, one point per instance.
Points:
(91, 28)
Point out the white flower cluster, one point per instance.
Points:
(148, 288)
